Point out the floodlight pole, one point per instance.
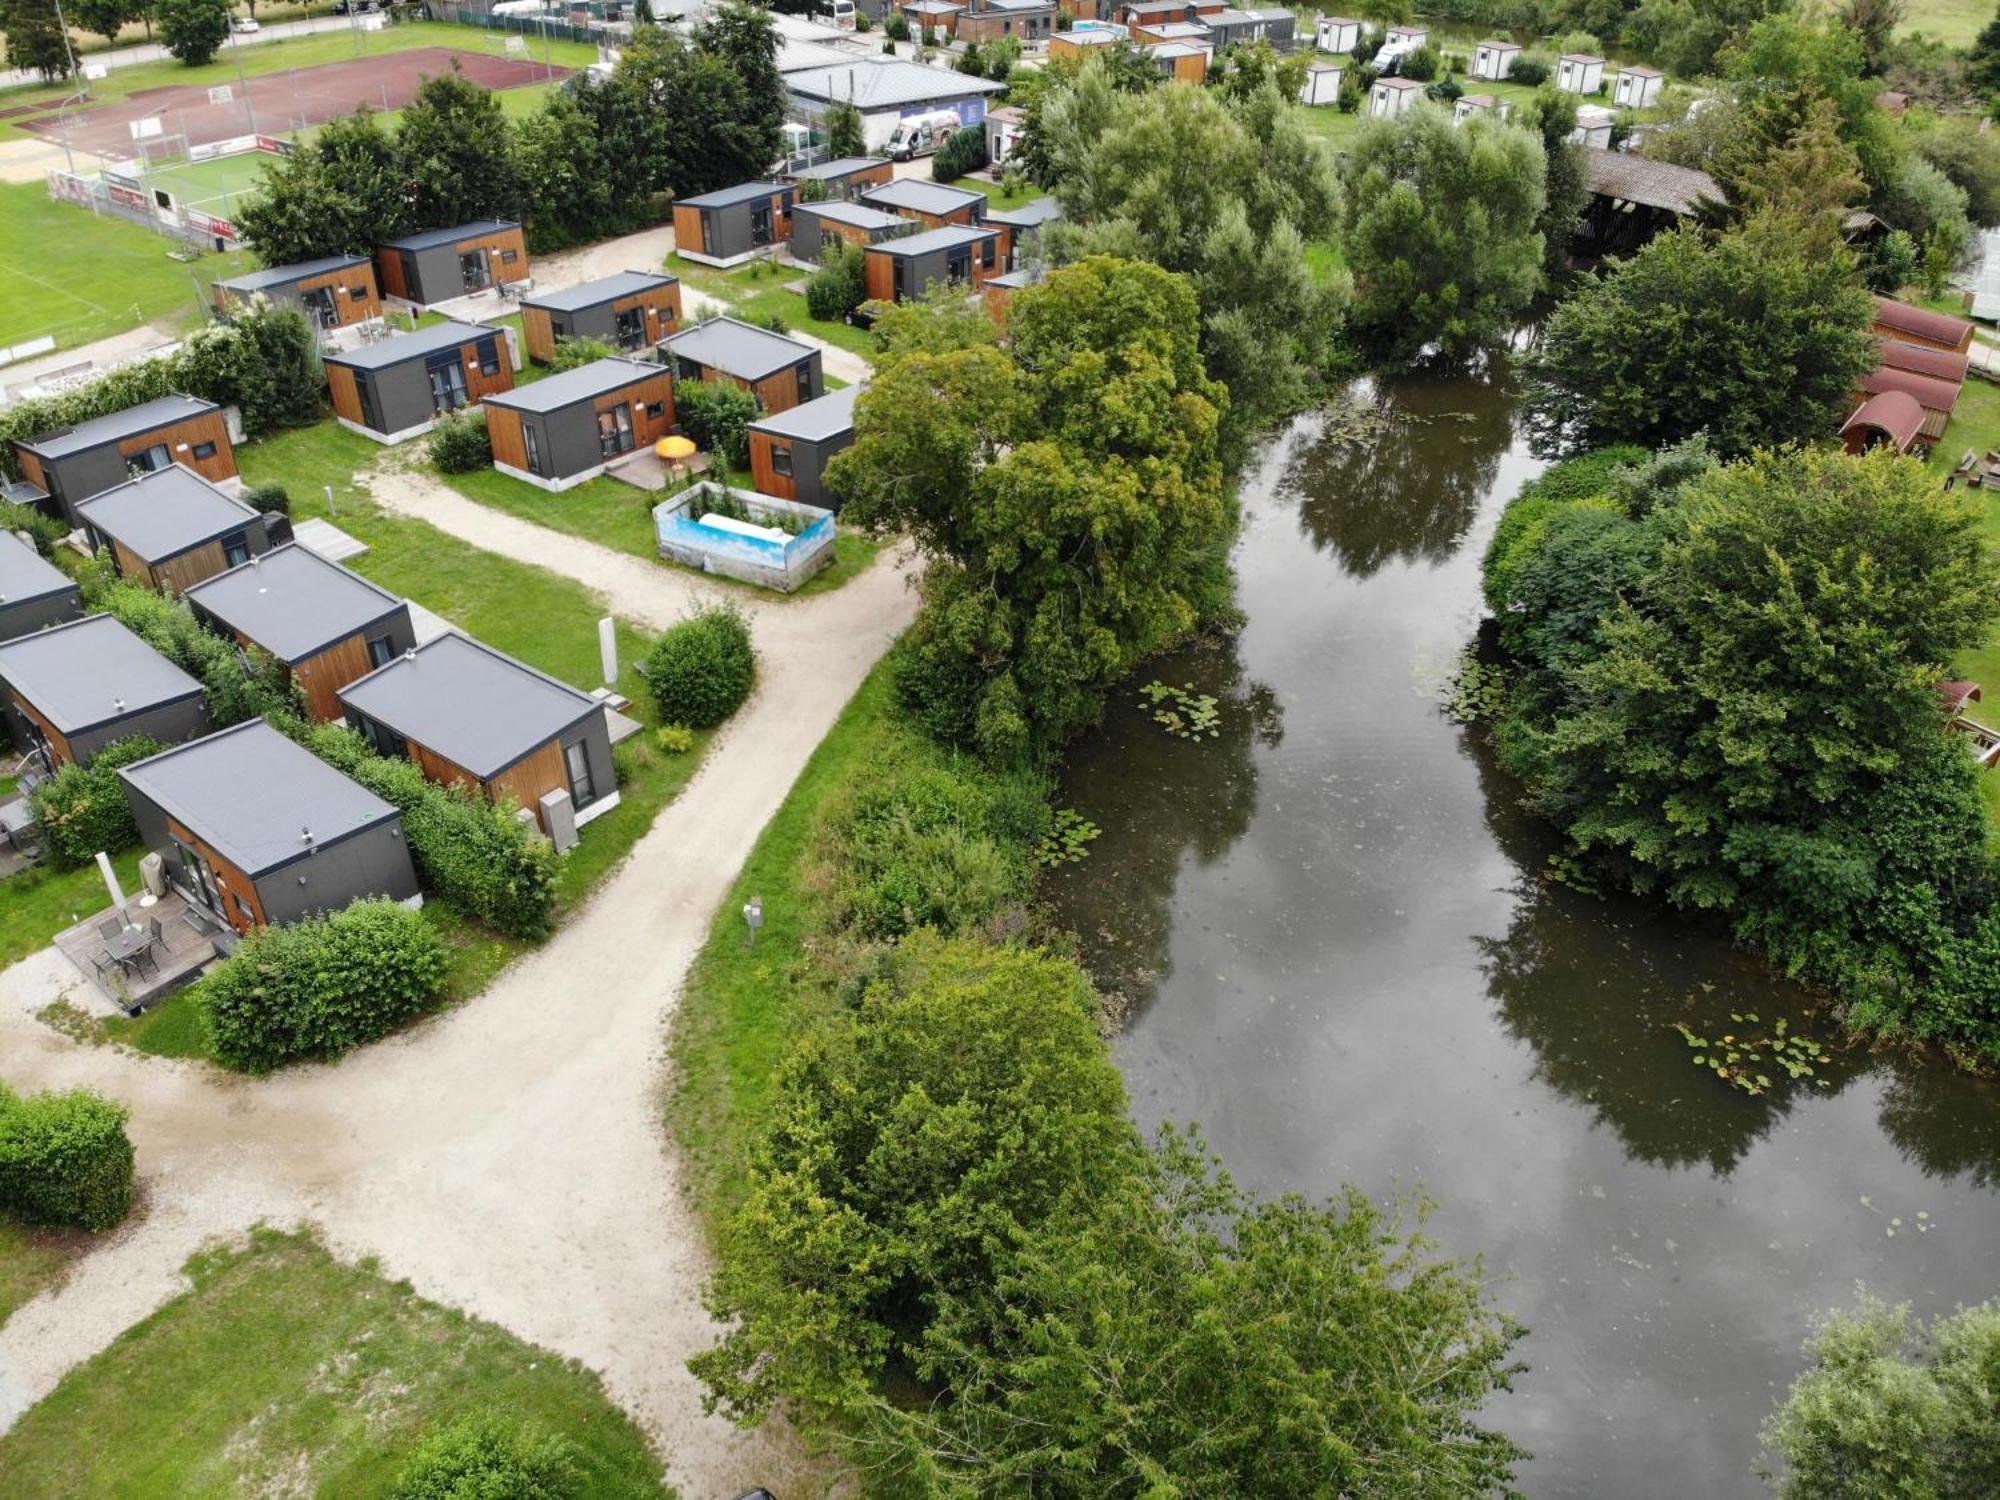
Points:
(82, 91)
(236, 50)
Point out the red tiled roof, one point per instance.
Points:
(1939, 364)
(1895, 414)
(1904, 318)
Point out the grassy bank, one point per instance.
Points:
(285, 1372)
(32, 1261)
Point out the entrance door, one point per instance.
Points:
(476, 268)
(582, 790)
(319, 307)
(631, 328)
(614, 430)
(760, 224)
(448, 390)
(199, 880)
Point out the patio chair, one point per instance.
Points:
(144, 962)
(153, 930)
(110, 928)
(105, 965)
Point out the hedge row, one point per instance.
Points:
(84, 809)
(468, 852)
(65, 1158)
(318, 987)
(234, 692)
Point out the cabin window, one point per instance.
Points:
(151, 460)
(509, 257)
(686, 369)
(448, 389)
(531, 440)
(475, 269)
(958, 267)
(582, 788)
(805, 377)
(384, 740)
(359, 292)
(657, 411)
(781, 460)
(987, 250)
(489, 356)
(236, 548)
(631, 328)
(614, 430)
(381, 649)
(902, 287)
(204, 450)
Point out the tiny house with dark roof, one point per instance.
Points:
(73, 689)
(257, 830)
(953, 256)
(628, 310)
(397, 389)
(476, 717)
(932, 204)
(844, 176)
(780, 372)
(34, 592)
(171, 528)
(332, 292)
(789, 450)
(440, 264)
(327, 626)
(1019, 226)
(816, 226)
(71, 465)
(728, 227)
(567, 428)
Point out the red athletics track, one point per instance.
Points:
(283, 101)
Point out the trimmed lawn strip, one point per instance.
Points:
(41, 902)
(744, 1003)
(285, 1371)
(758, 289)
(998, 196)
(32, 1261)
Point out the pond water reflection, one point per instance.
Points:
(1347, 965)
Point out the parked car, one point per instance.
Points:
(245, 25)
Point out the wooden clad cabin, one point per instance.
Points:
(998, 291)
(842, 177)
(34, 592)
(728, 227)
(72, 465)
(1920, 326)
(440, 264)
(1891, 419)
(257, 830)
(954, 256)
(1019, 226)
(992, 20)
(1155, 33)
(629, 310)
(72, 689)
(1938, 398)
(171, 529)
(789, 450)
(816, 226)
(332, 292)
(473, 716)
(780, 372)
(931, 204)
(398, 388)
(1080, 43)
(566, 429)
(939, 17)
(327, 625)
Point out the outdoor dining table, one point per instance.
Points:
(129, 944)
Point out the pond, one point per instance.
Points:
(1344, 960)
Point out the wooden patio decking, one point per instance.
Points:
(178, 958)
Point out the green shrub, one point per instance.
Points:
(43, 530)
(83, 809)
(964, 152)
(888, 43)
(571, 353)
(717, 416)
(487, 1458)
(318, 987)
(897, 28)
(65, 1158)
(839, 285)
(771, 319)
(477, 857)
(1530, 71)
(235, 692)
(702, 669)
(268, 497)
(458, 443)
(1421, 64)
(674, 739)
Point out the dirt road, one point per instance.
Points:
(507, 1157)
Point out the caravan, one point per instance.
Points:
(920, 135)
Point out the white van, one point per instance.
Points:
(838, 13)
(920, 135)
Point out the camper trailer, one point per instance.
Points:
(920, 135)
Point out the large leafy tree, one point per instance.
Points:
(1442, 231)
(104, 17)
(1754, 336)
(340, 193)
(1565, 189)
(193, 30)
(457, 153)
(844, 135)
(35, 37)
(565, 175)
(742, 37)
(1068, 490)
(1888, 1409)
(705, 131)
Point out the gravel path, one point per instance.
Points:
(507, 1157)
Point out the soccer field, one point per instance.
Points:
(210, 185)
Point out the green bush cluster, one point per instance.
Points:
(468, 852)
(702, 669)
(83, 809)
(234, 691)
(458, 443)
(572, 353)
(717, 416)
(488, 1458)
(43, 530)
(65, 1158)
(269, 497)
(839, 285)
(318, 987)
(1532, 72)
(964, 152)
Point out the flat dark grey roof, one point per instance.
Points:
(90, 672)
(276, 276)
(25, 574)
(737, 348)
(842, 166)
(743, 192)
(585, 383)
(1015, 280)
(596, 293)
(1029, 215)
(165, 513)
(860, 215)
(293, 602)
(477, 707)
(477, 229)
(815, 420)
(414, 345)
(949, 237)
(162, 411)
(257, 798)
(922, 197)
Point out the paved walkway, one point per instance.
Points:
(507, 1157)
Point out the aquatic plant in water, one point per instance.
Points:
(1739, 1061)
(1182, 711)
(1068, 839)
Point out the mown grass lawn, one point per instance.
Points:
(996, 193)
(758, 290)
(1953, 22)
(32, 1261)
(69, 274)
(40, 902)
(285, 1372)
